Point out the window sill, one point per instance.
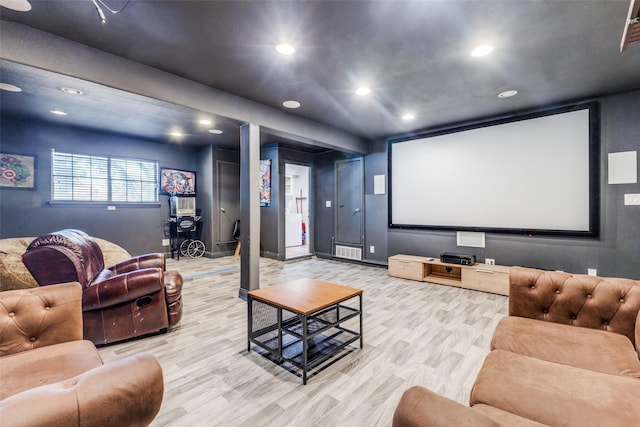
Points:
(59, 203)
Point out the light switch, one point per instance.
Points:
(328, 203)
(632, 199)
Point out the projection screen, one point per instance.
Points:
(534, 174)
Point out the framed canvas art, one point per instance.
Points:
(17, 171)
(265, 182)
(177, 182)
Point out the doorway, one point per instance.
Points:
(297, 211)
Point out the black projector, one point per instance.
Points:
(453, 258)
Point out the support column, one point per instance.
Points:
(249, 208)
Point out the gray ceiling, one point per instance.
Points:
(414, 54)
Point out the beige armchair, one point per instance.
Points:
(49, 376)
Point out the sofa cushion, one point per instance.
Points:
(591, 349)
(555, 394)
(505, 418)
(13, 273)
(421, 407)
(124, 393)
(46, 365)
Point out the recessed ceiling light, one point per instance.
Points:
(215, 131)
(19, 5)
(175, 133)
(363, 90)
(71, 91)
(507, 94)
(285, 49)
(58, 112)
(408, 116)
(291, 104)
(10, 88)
(205, 122)
(482, 50)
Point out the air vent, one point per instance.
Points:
(631, 33)
(348, 252)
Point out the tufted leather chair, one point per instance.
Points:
(50, 376)
(133, 298)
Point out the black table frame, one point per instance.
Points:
(319, 333)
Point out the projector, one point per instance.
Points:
(453, 258)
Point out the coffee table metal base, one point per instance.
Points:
(303, 340)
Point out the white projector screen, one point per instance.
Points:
(535, 174)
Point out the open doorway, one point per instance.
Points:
(297, 211)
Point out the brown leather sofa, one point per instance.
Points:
(567, 355)
(50, 377)
(133, 298)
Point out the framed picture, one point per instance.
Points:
(177, 182)
(17, 171)
(265, 182)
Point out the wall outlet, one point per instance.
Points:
(165, 242)
(490, 261)
(372, 249)
(111, 208)
(592, 272)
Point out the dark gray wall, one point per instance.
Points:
(325, 190)
(615, 253)
(28, 213)
(269, 215)
(209, 160)
(375, 205)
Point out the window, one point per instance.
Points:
(83, 178)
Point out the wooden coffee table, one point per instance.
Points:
(301, 322)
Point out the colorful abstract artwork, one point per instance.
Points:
(17, 171)
(265, 182)
(174, 181)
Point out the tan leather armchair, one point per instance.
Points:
(133, 298)
(50, 377)
(567, 354)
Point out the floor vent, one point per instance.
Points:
(348, 252)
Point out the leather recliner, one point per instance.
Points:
(133, 298)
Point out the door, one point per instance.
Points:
(349, 200)
(228, 199)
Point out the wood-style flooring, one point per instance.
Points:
(414, 333)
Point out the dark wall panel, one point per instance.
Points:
(375, 205)
(614, 253)
(223, 162)
(270, 230)
(29, 213)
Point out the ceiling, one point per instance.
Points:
(414, 55)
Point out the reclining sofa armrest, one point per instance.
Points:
(128, 392)
(38, 317)
(155, 260)
(420, 407)
(122, 288)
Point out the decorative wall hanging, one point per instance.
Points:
(265, 182)
(177, 182)
(17, 171)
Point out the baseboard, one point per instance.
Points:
(371, 262)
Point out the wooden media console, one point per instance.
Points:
(480, 277)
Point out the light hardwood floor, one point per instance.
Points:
(414, 333)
